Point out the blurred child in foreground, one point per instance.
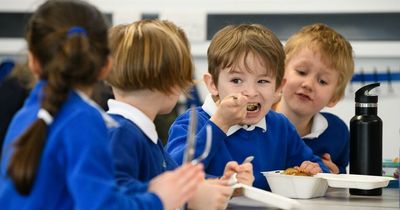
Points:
(152, 67)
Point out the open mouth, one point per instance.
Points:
(303, 96)
(251, 107)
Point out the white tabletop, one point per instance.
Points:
(339, 199)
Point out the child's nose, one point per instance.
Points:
(250, 91)
(308, 83)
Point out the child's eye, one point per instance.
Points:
(301, 72)
(263, 81)
(236, 81)
(322, 82)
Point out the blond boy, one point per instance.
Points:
(319, 65)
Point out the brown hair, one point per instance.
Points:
(67, 59)
(335, 50)
(150, 54)
(234, 41)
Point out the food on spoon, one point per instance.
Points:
(295, 171)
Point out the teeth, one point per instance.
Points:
(252, 107)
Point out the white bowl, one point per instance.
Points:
(296, 186)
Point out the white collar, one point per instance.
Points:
(210, 108)
(110, 122)
(319, 125)
(136, 116)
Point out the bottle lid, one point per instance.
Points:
(363, 95)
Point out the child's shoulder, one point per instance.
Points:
(278, 121)
(333, 120)
(277, 117)
(201, 114)
(124, 125)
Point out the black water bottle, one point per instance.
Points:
(366, 138)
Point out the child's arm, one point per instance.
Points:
(231, 110)
(89, 170)
(299, 154)
(125, 155)
(178, 135)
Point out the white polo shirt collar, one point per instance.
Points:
(319, 125)
(136, 116)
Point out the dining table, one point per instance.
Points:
(334, 199)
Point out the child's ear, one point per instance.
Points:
(212, 88)
(33, 64)
(333, 101)
(278, 91)
(105, 70)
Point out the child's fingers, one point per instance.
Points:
(246, 167)
(327, 157)
(332, 166)
(310, 167)
(221, 182)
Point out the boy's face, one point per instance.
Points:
(310, 83)
(256, 85)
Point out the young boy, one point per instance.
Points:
(152, 67)
(319, 64)
(245, 71)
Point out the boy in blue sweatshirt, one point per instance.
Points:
(245, 72)
(152, 67)
(319, 65)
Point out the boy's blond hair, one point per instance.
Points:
(335, 51)
(231, 44)
(150, 54)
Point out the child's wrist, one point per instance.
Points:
(220, 124)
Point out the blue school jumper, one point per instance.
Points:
(275, 148)
(75, 170)
(333, 139)
(137, 152)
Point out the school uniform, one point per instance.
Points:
(137, 151)
(273, 142)
(75, 170)
(329, 134)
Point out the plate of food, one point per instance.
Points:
(293, 183)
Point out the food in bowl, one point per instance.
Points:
(295, 171)
(291, 186)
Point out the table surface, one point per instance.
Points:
(337, 199)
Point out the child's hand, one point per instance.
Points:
(231, 111)
(211, 194)
(176, 187)
(310, 167)
(326, 158)
(244, 172)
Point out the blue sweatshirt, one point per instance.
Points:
(275, 148)
(75, 170)
(333, 139)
